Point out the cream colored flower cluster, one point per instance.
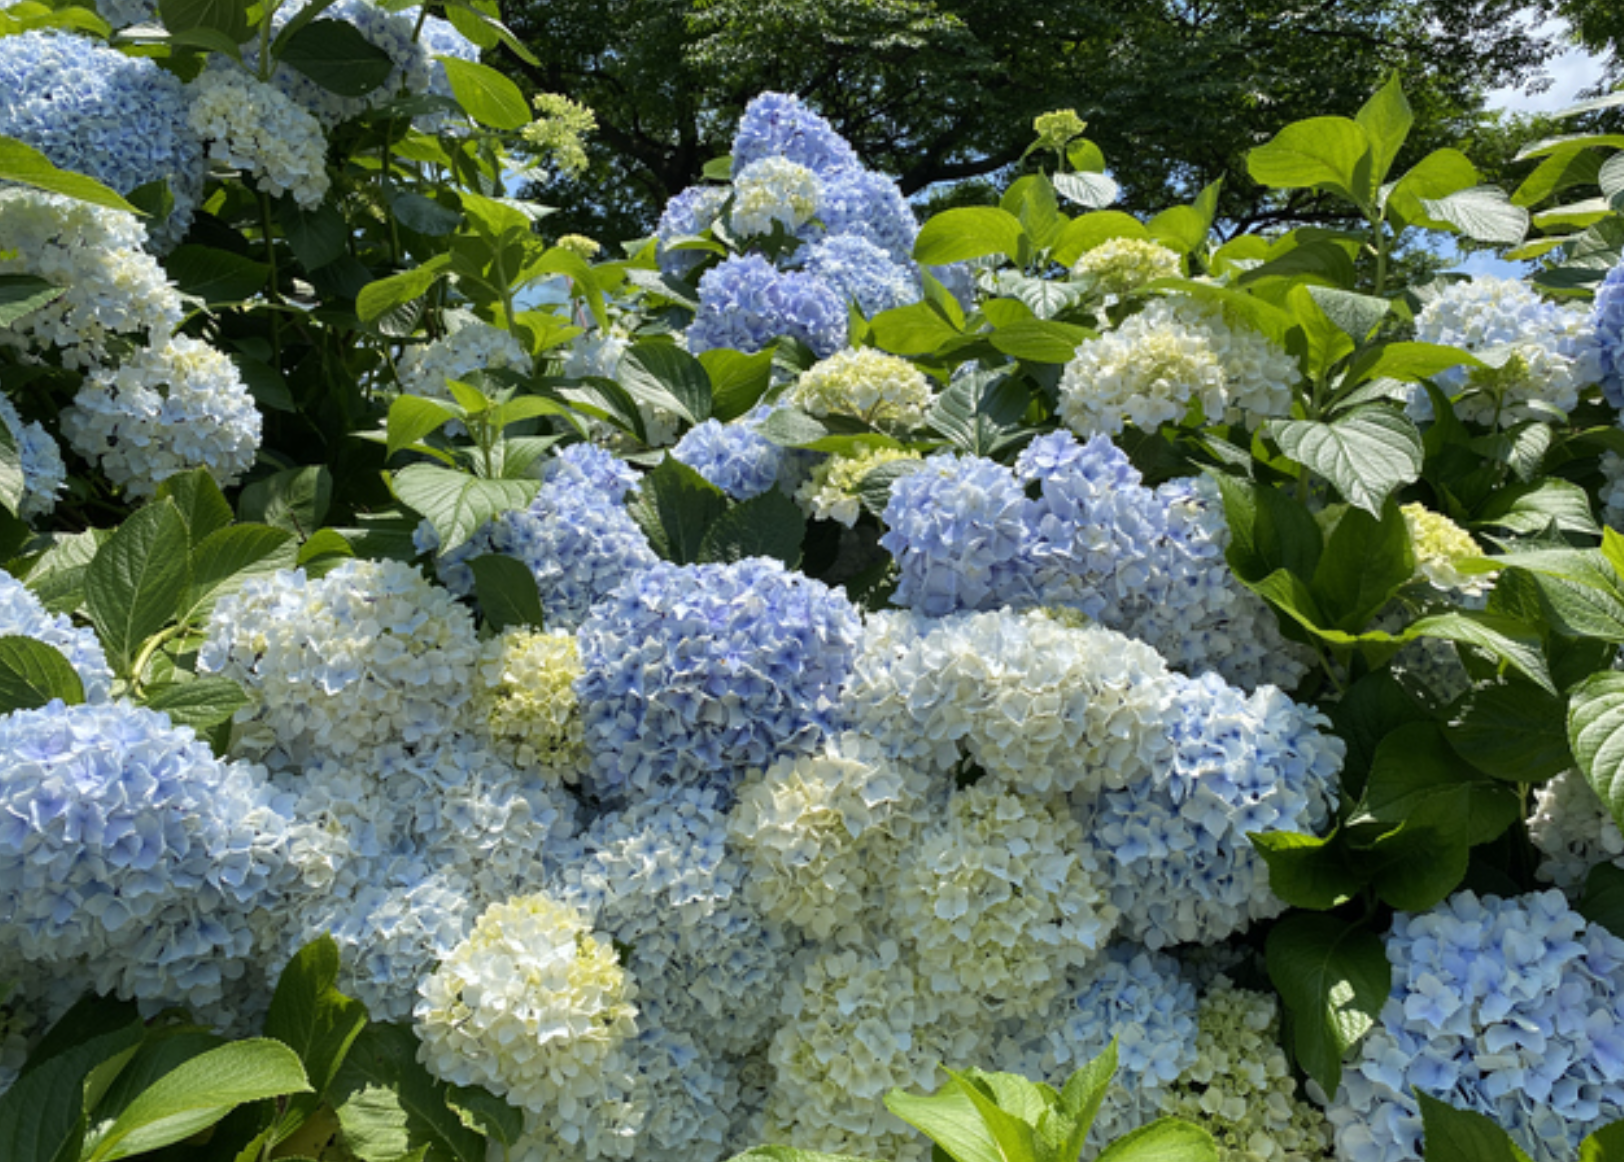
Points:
(525, 702)
(1573, 831)
(530, 1006)
(771, 190)
(1172, 354)
(821, 833)
(1120, 266)
(1440, 543)
(252, 126)
(865, 384)
(831, 492)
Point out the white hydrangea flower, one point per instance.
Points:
(525, 702)
(163, 411)
(886, 391)
(1439, 543)
(1539, 352)
(468, 345)
(1174, 353)
(530, 1006)
(821, 833)
(369, 655)
(1120, 266)
(111, 285)
(44, 474)
(773, 189)
(1573, 830)
(1240, 1088)
(831, 492)
(251, 126)
(1000, 901)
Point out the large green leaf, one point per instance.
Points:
(1306, 871)
(1452, 1135)
(1328, 152)
(335, 55)
(737, 381)
(1513, 731)
(1164, 1140)
(968, 232)
(664, 375)
(383, 295)
(1414, 767)
(229, 17)
(1596, 734)
(198, 1093)
(1366, 561)
(32, 673)
(1366, 453)
(1603, 899)
(1604, 1145)
(1334, 979)
(950, 1119)
(42, 1115)
(200, 703)
(1482, 213)
(201, 503)
(137, 580)
(916, 329)
(310, 1016)
(790, 1154)
(486, 95)
(391, 1108)
(24, 164)
(228, 557)
(214, 275)
(1386, 119)
(1509, 641)
(675, 507)
(506, 589)
(13, 481)
(769, 525)
(455, 503)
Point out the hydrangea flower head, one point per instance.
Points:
(1573, 831)
(863, 204)
(700, 672)
(368, 655)
(526, 701)
(831, 492)
(864, 383)
(1507, 1007)
(687, 215)
(1607, 328)
(781, 125)
(745, 303)
(1439, 543)
(772, 190)
(1120, 266)
(861, 272)
(1180, 863)
(44, 474)
(1539, 352)
(24, 615)
(93, 110)
(529, 1006)
(254, 127)
(735, 457)
(129, 844)
(165, 410)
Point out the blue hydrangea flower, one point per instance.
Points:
(744, 304)
(1513, 1008)
(93, 110)
(1181, 865)
(735, 457)
(696, 673)
(1607, 325)
(124, 841)
(22, 614)
(861, 272)
(779, 124)
(868, 205)
(957, 530)
(576, 536)
(686, 215)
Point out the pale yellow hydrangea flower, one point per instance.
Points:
(865, 384)
(525, 701)
(1120, 266)
(831, 492)
(558, 131)
(1439, 543)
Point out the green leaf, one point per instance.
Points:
(737, 381)
(27, 165)
(202, 505)
(457, 504)
(1508, 640)
(1366, 453)
(1031, 198)
(1439, 174)
(1482, 213)
(195, 1095)
(42, 1116)
(335, 55)
(411, 418)
(769, 525)
(1306, 871)
(1603, 899)
(1409, 361)
(13, 481)
(1514, 731)
(1415, 865)
(1604, 1145)
(1366, 561)
(317, 236)
(968, 232)
(1386, 119)
(1181, 229)
(1415, 765)
(228, 557)
(1090, 190)
(1164, 1140)
(664, 375)
(1083, 1094)
(1014, 1134)
(486, 95)
(675, 507)
(1334, 978)
(320, 1024)
(425, 215)
(137, 579)
(215, 276)
(917, 329)
(32, 673)
(790, 1154)
(485, 1113)
(229, 17)
(383, 295)
(1269, 531)
(1039, 340)
(201, 703)
(1530, 508)
(507, 593)
(874, 490)
(23, 294)
(1452, 1135)
(1596, 734)
(951, 1119)
(1357, 315)
(980, 413)
(1090, 230)
(1329, 152)
(1579, 594)
(391, 1108)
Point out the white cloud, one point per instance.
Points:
(1572, 72)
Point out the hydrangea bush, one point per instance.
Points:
(652, 705)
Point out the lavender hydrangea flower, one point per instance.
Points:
(735, 457)
(44, 474)
(745, 304)
(687, 214)
(862, 272)
(1607, 326)
(22, 614)
(91, 109)
(780, 124)
(696, 673)
(868, 205)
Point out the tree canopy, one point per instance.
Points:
(942, 91)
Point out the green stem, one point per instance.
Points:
(144, 658)
(275, 294)
(1381, 257)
